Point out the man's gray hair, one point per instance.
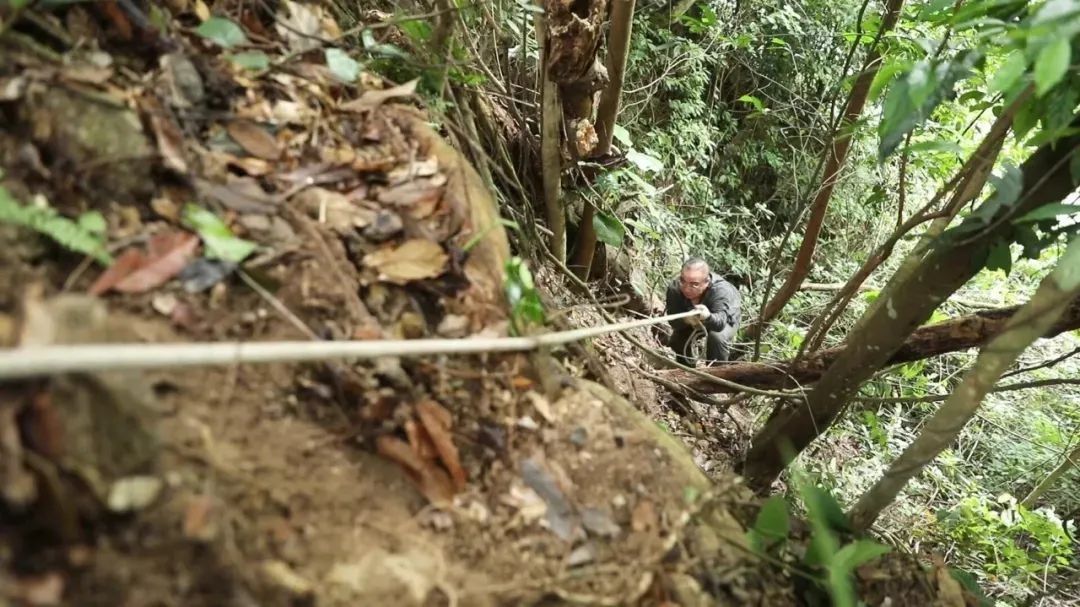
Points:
(695, 262)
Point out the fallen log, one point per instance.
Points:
(947, 336)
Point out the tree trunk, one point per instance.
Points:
(585, 247)
(884, 327)
(1056, 293)
(618, 48)
(837, 155)
(1071, 460)
(926, 342)
(622, 25)
(550, 149)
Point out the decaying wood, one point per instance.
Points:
(933, 340)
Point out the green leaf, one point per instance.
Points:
(970, 584)
(381, 48)
(912, 98)
(1051, 65)
(1009, 72)
(223, 32)
(936, 145)
(93, 222)
(251, 60)
(644, 162)
(218, 238)
(341, 65)
(525, 305)
(1067, 272)
(885, 75)
(418, 30)
(754, 101)
(856, 553)
(821, 504)
(84, 236)
(609, 230)
(772, 521)
(1000, 257)
(1049, 211)
(621, 135)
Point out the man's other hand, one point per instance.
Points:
(702, 311)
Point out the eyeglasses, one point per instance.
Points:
(693, 285)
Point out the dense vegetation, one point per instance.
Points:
(859, 170)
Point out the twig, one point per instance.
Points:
(1044, 364)
(933, 398)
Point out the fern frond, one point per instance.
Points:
(84, 236)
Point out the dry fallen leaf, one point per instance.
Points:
(373, 99)
(430, 480)
(644, 518)
(128, 261)
(170, 140)
(418, 197)
(301, 25)
(334, 209)
(420, 441)
(45, 589)
(169, 253)
(200, 518)
(254, 139)
(239, 195)
(436, 421)
(416, 259)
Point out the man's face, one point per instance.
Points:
(693, 281)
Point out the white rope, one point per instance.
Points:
(33, 361)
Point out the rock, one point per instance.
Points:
(598, 522)
(687, 591)
(134, 493)
(104, 142)
(579, 436)
(107, 432)
(400, 579)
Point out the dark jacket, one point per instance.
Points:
(721, 298)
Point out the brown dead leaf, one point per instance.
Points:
(170, 141)
(301, 25)
(420, 441)
(166, 207)
(429, 479)
(950, 592)
(256, 167)
(45, 589)
(169, 253)
(119, 20)
(439, 412)
(202, 11)
(416, 259)
(128, 261)
(418, 197)
(411, 170)
(238, 195)
(334, 209)
(44, 427)
(200, 518)
(255, 139)
(373, 99)
(539, 402)
(89, 74)
(436, 421)
(644, 517)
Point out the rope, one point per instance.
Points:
(32, 361)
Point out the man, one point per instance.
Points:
(697, 287)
